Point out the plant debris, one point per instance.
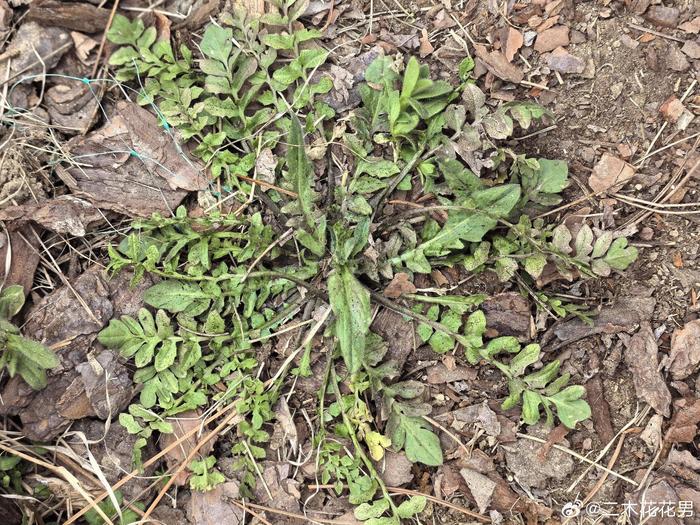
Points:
(642, 358)
(685, 351)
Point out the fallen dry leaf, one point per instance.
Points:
(284, 491)
(600, 409)
(625, 150)
(64, 214)
(117, 180)
(683, 427)
(651, 435)
(398, 286)
(692, 26)
(19, 255)
(497, 63)
(285, 424)
(182, 424)
(555, 437)
(447, 481)
(214, 507)
(83, 45)
(642, 358)
(5, 17)
(443, 20)
(684, 356)
(678, 259)
(610, 173)
(628, 41)
(478, 460)
(342, 97)
(162, 24)
(479, 414)
(265, 167)
(426, 47)
(393, 41)
(480, 486)
(369, 38)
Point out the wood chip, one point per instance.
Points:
(75, 16)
